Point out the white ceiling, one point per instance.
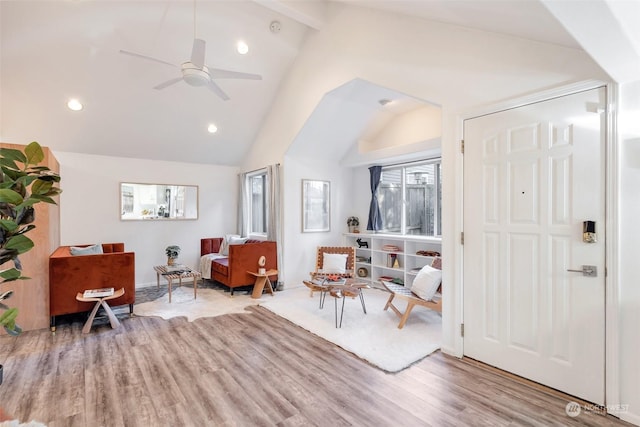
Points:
(54, 50)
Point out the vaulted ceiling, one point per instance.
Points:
(51, 51)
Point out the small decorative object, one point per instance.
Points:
(172, 254)
(353, 222)
(361, 243)
(261, 262)
(363, 272)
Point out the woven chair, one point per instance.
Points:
(318, 282)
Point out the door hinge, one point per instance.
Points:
(462, 146)
(462, 238)
(462, 329)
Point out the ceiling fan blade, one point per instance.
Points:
(217, 73)
(197, 53)
(167, 83)
(147, 58)
(216, 89)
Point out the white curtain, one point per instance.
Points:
(274, 217)
(243, 206)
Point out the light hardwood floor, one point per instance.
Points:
(250, 370)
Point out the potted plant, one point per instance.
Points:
(172, 253)
(23, 184)
(353, 222)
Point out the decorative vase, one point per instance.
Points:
(171, 261)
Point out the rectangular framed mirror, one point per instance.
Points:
(316, 204)
(139, 201)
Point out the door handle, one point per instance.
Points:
(587, 270)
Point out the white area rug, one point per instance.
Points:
(374, 336)
(210, 303)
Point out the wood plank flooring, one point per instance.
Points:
(250, 370)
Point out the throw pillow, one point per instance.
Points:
(225, 243)
(426, 282)
(334, 263)
(89, 250)
(233, 240)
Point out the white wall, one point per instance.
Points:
(629, 251)
(90, 204)
(420, 124)
(299, 249)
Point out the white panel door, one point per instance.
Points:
(532, 175)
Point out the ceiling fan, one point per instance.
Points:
(195, 72)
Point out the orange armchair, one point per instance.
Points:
(70, 274)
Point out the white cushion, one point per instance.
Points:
(88, 250)
(233, 240)
(426, 282)
(334, 263)
(225, 243)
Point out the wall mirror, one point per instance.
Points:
(158, 201)
(316, 200)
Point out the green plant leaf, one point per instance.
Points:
(41, 187)
(26, 229)
(10, 196)
(34, 153)
(42, 198)
(6, 162)
(8, 224)
(20, 243)
(7, 255)
(13, 154)
(10, 274)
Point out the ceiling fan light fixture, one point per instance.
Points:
(195, 76)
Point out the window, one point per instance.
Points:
(257, 188)
(410, 197)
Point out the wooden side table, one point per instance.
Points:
(261, 281)
(162, 270)
(100, 301)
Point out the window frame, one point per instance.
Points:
(437, 210)
(265, 205)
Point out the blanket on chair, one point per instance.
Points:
(205, 264)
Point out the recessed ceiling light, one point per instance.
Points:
(74, 105)
(212, 128)
(242, 48)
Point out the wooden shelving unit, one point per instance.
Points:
(378, 254)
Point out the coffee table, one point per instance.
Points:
(344, 291)
(188, 274)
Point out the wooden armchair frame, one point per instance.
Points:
(318, 274)
(412, 299)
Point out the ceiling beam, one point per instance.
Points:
(311, 13)
(606, 30)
